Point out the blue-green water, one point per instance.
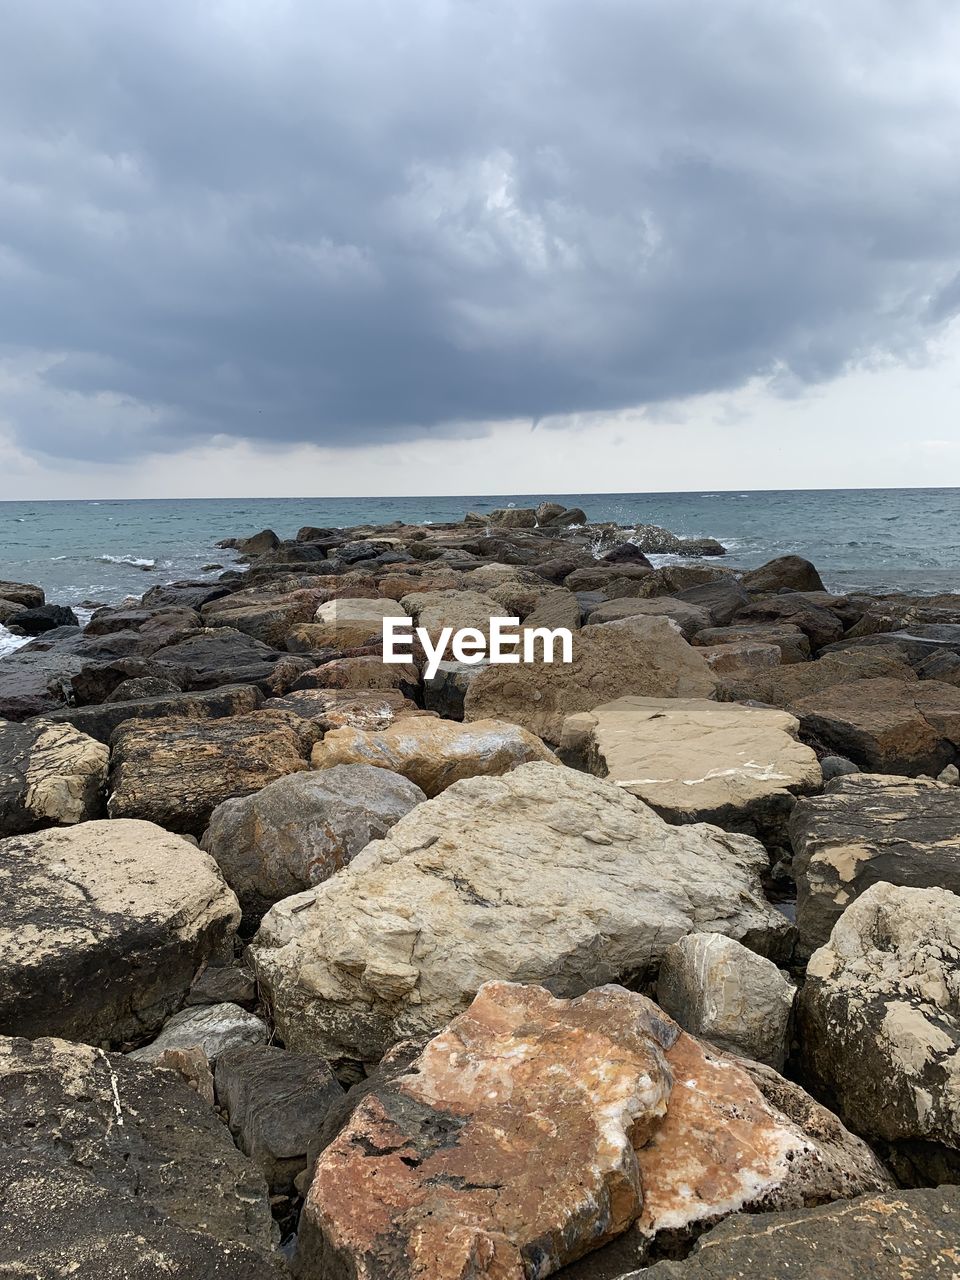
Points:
(873, 539)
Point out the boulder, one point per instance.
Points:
(182, 595)
(445, 692)
(543, 873)
(554, 609)
(563, 519)
(223, 984)
(722, 598)
(866, 828)
(786, 685)
(346, 622)
(275, 1103)
(299, 830)
(143, 687)
(790, 640)
(672, 579)
(655, 539)
(34, 682)
(44, 617)
(102, 927)
(224, 655)
(643, 656)
(112, 1169)
(98, 720)
(625, 553)
(534, 1130)
(435, 610)
(50, 775)
(513, 517)
(213, 1029)
(785, 573)
(690, 618)
(615, 580)
(363, 672)
(900, 1233)
(23, 594)
(693, 760)
(175, 772)
(879, 1026)
(548, 510)
(257, 545)
(886, 726)
(433, 753)
(355, 708)
(718, 989)
(943, 666)
(268, 615)
(820, 625)
(737, 661)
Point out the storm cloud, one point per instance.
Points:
(362, 220)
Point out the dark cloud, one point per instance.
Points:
(365, 220)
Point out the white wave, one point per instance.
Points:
(137, 562)
(9, 643)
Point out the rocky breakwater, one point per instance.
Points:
(313, 964)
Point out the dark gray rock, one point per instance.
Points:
(790, 572)
(226, 984)
(225, 656)
(140, 687)
(866, 828)
(155, 1188)
(722, 599)
(99, 721)
(43, 617)
(819, 625)
(836, 767)
(276, 1104)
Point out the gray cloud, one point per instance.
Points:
(359, 221)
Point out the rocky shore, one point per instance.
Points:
(643, 964)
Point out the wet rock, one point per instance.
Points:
(445, 692)
(298, 831)
(50, 775)
(99, 720)
(211, 1028)
(534, 1130)
(224, 656)
(697, 761)
(625, 553)
(112, 1169)
(543, 873)
(719, 990)
(24, 594)
(275, 1103)
(44, 617)
(690, 618)
(175, 772)
(866, 828)
(900, 1233)
(433, 753)
(102, 928)
(879, 1027)
(785, 573)
(790, 640)
(886, 726)
(641, 656)
(36, 682)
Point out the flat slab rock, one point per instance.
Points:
(887, 726)
(533, 1130)
(102, 928)
(100, 719)
(347, 708)
(154, 1186)
(50, 775)
(212, 1028)
(297, 831)
(879, 1025)
(693, 760)
(641, 656)
(544, 874)
(434, 753)
(175, 772)
(865, 828)
(873, 1237)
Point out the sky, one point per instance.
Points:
(271, 247)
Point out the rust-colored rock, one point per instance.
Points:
(533, 1130)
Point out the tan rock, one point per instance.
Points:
(433, 753)
(533, 1130)
(693, 760)
(435, 610)
(102, 928)
(50, 774)
(543, 873)
(356, 708)
(742, 659)
(690, 618)
(786, 685)
(790, 640)
(642, 656)
(365, 672)
(344, 623)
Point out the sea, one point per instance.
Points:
(87, 553)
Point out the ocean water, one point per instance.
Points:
(87, 553)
